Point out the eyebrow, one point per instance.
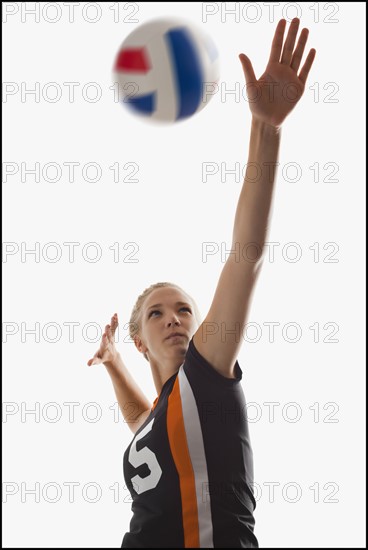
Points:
(177, 304)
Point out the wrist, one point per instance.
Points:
(265, 128)
(115, 363)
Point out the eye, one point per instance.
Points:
(152, 312)
(157, 311)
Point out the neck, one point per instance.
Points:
(161, 375)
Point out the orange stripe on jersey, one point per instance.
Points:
(180, 452)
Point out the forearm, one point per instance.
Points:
(253, 213)
(131, 399)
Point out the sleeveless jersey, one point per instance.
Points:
(189, 467)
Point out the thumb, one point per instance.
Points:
(250, 77)
(96, 360)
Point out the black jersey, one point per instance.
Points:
(189, 468)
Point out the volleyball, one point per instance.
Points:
(166, 70)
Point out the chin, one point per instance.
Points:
(183, 349)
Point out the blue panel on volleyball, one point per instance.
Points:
(143, 104)
(188, 72)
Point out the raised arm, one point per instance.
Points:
(271, 99)
(133, 404)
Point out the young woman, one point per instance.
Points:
(189, 468)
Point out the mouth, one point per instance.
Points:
(175, 335)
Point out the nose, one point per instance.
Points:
(174, 322)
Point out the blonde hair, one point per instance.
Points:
(136, 315)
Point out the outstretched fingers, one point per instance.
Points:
(95, 360)
(250, 77)
(110, 329)
(277, 41)
(107, 334)
(303, 75)
(114, 323)
(288, 57)
(299, 50)
(107, 338)
(290, 41)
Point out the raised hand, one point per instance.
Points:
(107, 351)
(274, 95)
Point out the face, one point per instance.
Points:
(173, 314)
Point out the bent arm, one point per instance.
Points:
(131, 399)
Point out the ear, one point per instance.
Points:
(139, 344)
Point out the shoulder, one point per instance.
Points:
(208, 365)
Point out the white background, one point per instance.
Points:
(169, 212)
